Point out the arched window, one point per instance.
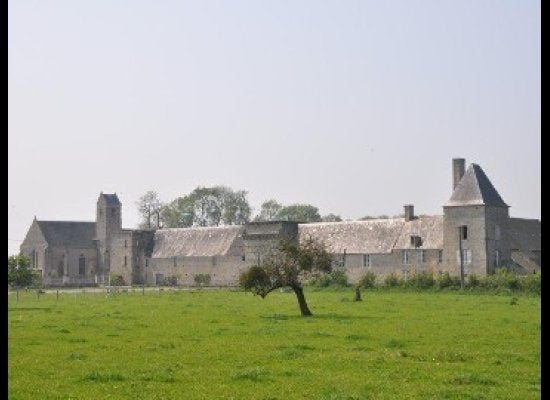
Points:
(82, 265)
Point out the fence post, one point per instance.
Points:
(17, 292)
(57, 294)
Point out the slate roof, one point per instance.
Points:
(199, 242)
(475, 188)
(429, 228)
(110, 199)
(357, 237)
(524, 234)
(68, 233)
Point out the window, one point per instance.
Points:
(466, 257)
(496, 259)
(440, 256)
(421, 256)
(464, 232)
(125, 243)
(125, 260)
(243, 258)
(82, 265)
(366, 260)
(404, 257)
(416, 241)
(146, 262)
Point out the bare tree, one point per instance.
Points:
(150, 208)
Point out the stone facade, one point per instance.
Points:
(475, 219)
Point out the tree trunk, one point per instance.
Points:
(302, 301)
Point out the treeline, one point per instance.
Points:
(219, 205)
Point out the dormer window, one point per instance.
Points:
(416, 241)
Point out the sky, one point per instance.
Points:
(356, 107)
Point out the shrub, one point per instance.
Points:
(323, 281)
(171, 281)
(339, 278)
(501, 279)
(392, 280)
(20, 273)
(446, 281)
(531, 283)
(421, 280)
(368, 280)
(117, 280)
(473, 281)
(202, 279)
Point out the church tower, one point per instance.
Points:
(475, 223)
(108, 223)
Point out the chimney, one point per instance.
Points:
(409, 212)
(458, 170)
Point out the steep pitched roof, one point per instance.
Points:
(68, 233)
(357, 237)
(110, 199)
(199, 242)
(429, 228)
(524, 234)
(475, 189)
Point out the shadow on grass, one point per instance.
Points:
(329, 316)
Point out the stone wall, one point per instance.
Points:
(35, 241)
(261, 238)
(223, 270)
(474, 218)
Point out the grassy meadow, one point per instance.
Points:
(223, 344)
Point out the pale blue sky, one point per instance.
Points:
(356, 107)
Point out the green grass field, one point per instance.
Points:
(232, 345)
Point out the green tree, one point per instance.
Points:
(150, 209)
(180, 213)
(331, 218)
(368, 217)
(208, 206)
(236, 209)
(287, 266)
(19, 271)
(300, 213)
(269, 211)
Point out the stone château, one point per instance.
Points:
(475, 231)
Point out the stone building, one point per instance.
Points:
(475, 232)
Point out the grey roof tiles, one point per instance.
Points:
(475, 188)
